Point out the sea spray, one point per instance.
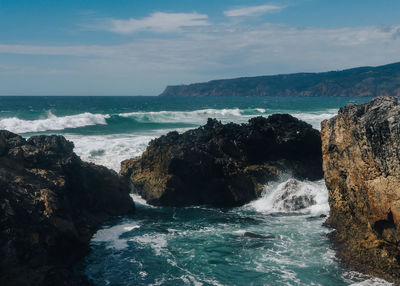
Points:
(291, 195)
(209, 246)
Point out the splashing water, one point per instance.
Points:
(276, 240)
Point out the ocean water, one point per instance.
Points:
(270, 241)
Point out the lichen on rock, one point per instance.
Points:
(361, 162)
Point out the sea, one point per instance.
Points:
(266, 242)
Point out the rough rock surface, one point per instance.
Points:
(224, 165)
(50, 204)
(361, 162)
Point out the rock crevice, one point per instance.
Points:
(361, 162)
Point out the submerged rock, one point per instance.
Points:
(224, 165)
(50, 205)
(361, 161)
(256, 235)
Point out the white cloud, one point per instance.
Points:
(147, 64)
(252, 10)
(159, 22)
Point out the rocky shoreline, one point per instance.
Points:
(51, 203)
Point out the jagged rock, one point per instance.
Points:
(224, 165)
(361, 161)
(50, 205)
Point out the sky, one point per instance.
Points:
(132, 47)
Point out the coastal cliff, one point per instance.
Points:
(361, 163)
(363, 81)
(51, 203)
(224, 165)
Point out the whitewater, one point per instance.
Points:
(97, 139)
(278, 239)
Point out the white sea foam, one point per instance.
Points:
(315, 118)
(111, 235)
(139, 200)
(109, 150)
(52, 122)
(293, 195)
(364, 280)
(225, 115)
(199, 117)
(156, 241)
(235, 115)
(195, 116)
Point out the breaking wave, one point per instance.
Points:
(52, 122)
(126, 122)
(195, 116)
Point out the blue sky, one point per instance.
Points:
(129, 47)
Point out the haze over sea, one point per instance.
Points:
(193, 245)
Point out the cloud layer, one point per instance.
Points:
(159, 22)
(198, 51)
(252, 10)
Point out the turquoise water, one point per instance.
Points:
(196, 245)
(107, 130)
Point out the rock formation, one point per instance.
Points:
(361, 162)
(50, 205)
(224, 165)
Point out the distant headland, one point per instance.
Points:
(362, 81)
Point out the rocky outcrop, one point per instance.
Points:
(224, 165)
(361, 162)
(363, 81)
(50, 205)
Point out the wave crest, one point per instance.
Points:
(195, 116)
(52, 122)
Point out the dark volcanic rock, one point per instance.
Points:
(50, 204)
(256, 235)
(224, 165)
(361, 161)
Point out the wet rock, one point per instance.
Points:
(51, 203)
(3, 146)
(292, 199)
(361, 161)
(255, 235)
(224, 165)
(311, 218)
